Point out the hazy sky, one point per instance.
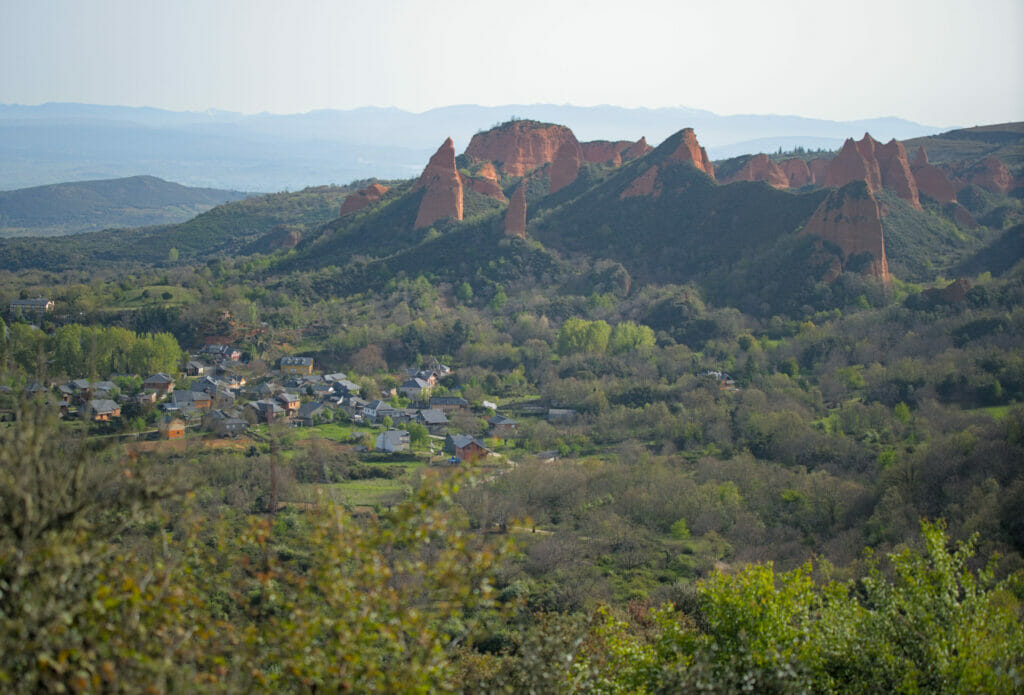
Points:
(941, 62)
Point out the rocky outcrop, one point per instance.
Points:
(604, 151)
(896, 175)
(362, 198)
(565, 167)
(760, 167)
(855, 162)
(486, 187)
(636, 150)
(797, 172)
(689, 150)
(519, 147)
(644, 185)
(485, 182)
(613, 153)
(931, 180)
(442, 185)
(515, 215)
(991, 174)
(819, 169)
(849, 218)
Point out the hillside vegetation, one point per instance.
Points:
(85, 206)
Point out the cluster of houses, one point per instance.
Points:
(219, 399)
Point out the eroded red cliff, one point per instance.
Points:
(855, 162)
(643, 185)
(797, 172)
(442, 197)
(362, 198)
(614, 153)
(896, 175)
(849, 218)
(760, 167)
(485, 182)
(689, 150)
(565, 167)
(819, 170)
(931, 180)
(519, 147)
(515, 215)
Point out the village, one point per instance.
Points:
(217, 395)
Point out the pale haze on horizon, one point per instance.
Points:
(941, 63)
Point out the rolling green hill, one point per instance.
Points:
(84, 206)
(224, 230)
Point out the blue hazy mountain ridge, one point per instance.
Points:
(84, 206)
(269, 152)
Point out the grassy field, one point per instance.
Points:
(153, 295)
(996, 411)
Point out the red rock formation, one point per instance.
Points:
(931, 180)
(797, 172)
(485, 182)
(819, 170)
(486, 187)
(515, 216)
(689, 150)
(519, 147)
(849, 217)
(565, 167)
(443, 195)
(636, 150)
(896, 176)
(604, 151)
(760, 167)
(855, 162)
(645, 184)
(487, 171)
(614, 153)
(991, 174)
(363, 197)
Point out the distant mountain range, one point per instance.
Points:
(86, 206)
(265, 152)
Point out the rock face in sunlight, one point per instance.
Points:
(895, 168)
(614, 153)
(849, 218)
(931, 180)
(819, 170)
(689, 150)
(644, 185)
(879, 166)
(485, 182)
(519, 147)
(797, 172)
(565, 167)
(443, 195)
(362, 198)
(760, 167)
(855, 162)
(515, 216)
(636, 150)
